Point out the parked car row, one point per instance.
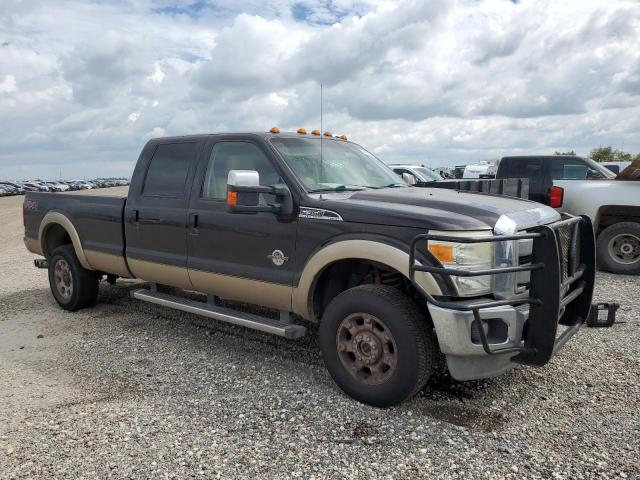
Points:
(21, 187)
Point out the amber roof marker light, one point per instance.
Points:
(275, 130)
(328, 134)
(302, 131)
(315, 132)
(343, 137)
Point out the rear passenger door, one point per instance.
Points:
(156, 213)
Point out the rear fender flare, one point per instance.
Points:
(57, 218)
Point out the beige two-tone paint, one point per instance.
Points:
(160, 273)
(108, 263)
(283, 297)
(272, 295)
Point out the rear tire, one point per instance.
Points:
(377, 345)
(618, 248)
(72, 285)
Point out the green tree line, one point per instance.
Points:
(606, 154)
(609, 154)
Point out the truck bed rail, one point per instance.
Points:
(511, 187)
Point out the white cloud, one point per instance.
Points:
(8, 84)
(440, 82)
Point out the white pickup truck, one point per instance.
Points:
(580, 186)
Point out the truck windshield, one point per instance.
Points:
(344, 165)
(427, 175)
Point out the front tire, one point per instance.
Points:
(377, 345)
(618, 248)
(72, 285)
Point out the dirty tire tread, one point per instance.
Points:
(427, 350)
(85, 282)
(605, 262)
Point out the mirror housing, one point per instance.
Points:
(409, 178)
(243, 195)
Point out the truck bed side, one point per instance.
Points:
(92, 223)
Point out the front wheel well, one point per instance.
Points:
(611, 214)
(55, 236)
(345, 274)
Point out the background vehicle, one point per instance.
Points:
(580, 186)
(615, 167)
(13, 187)
(56, 187)
(483, 169)
(318, 227)
(36, 187)
(419, 173)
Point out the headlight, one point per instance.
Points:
(478, 256)
(466, 256)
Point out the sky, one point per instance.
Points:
(84, 84)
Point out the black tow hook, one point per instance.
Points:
(41, 263)
(602, 314)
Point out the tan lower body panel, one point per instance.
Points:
(266, 294)
(272, 295)
(33, 245)
(107, 262)
(160, 273)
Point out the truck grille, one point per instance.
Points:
(569, 250)
(569, 253)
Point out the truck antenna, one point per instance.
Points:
(321, 135)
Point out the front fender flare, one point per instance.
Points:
(352, 250)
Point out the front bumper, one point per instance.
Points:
(460, 341)
(485, 337)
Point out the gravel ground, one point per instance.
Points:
(130, 390)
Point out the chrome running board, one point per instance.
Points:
(281, 328)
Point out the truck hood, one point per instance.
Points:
(438, 209)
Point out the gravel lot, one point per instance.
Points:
(130, 390)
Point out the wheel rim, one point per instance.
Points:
(366, 348)
(625, 248)
(63, 278)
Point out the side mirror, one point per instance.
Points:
(409, 178)
(243, 195)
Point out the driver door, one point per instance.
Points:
(244, 257)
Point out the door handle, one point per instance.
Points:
(193, 222)
(133, 216)
(150, 221)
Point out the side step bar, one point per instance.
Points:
(276, 327)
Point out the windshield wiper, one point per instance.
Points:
(339, 188)
(392, 185)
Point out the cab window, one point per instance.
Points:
(168, 170)
(573, 169)
(227, 156)
(530, 168)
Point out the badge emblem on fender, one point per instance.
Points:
(278, 258)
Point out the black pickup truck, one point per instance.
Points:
(313, 227)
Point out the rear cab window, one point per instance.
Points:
(577, 169)
(524, 167)
(168, 170)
